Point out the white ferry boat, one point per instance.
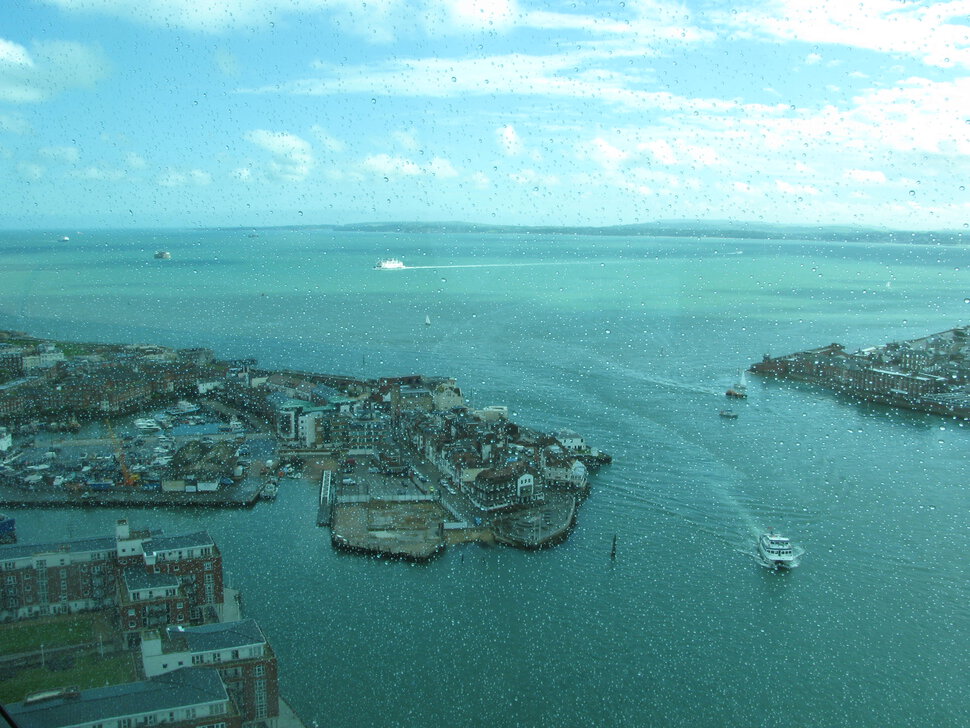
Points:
(390, 264)
(777, 551)
(147, 424)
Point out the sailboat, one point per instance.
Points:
(740, 388)
(427, 320)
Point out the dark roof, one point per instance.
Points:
(78, 545)
(138, 578)
(178, 689)
(221, 636)
(174, 543)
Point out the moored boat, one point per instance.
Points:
(777, 551)
(162, 255)
(728, 414)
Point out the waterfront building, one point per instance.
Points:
(6, 439)
(245, 660)
(193, 697)
(499, 488)
(99, 573)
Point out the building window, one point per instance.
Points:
(259, 670)
(197, 659)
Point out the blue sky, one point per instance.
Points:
(256, 112)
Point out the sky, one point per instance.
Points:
(186, 113)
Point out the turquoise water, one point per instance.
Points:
(631, 341)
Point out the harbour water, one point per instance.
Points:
(632, 342)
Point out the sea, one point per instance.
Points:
(632, 342)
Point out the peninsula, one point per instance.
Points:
(928, 374)
(404, 465)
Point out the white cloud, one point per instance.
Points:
(50, 68)
(67, 155)
(292, 156)
(30, 171)
(14, 123)
(99, 174)
(14, 54)
(509, 142)
(865, 175)
(812, 58)
(389, 166)
(661, 151)
(585, 75)
(890, 26)
(795, 189)
(135, 161)
(174, 178)
(328, 141)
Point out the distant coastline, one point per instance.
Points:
(717, 229)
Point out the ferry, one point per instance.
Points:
(777, 552)
(147, 424)
(162, 255)
(390, 264)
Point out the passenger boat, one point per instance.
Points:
(162, 255)
(389, 264)
(777, 551)
(740, 388)
(147, 424)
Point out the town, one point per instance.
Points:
(928, 374)
(401, 467)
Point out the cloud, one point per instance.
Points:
(935, 33)
(100, 174)
(609, 75)
(508, 140)
(67, 155)
(292, 156)
(30, 172)
(865, 175)
(13, 54)
(48, 69)
(15, 124)
(135, 161)
(174, 178)
(388, 166)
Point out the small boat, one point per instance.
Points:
(182, 408)
(147, 424)
(162, 255)
(777, 552)
(740, 388)
(389, 264)
(269, 490)
(65, 239)
(427, 320)
(728, 414)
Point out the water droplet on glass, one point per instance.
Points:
(912, 193)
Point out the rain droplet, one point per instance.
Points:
(912, 193)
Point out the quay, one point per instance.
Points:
(930, 374)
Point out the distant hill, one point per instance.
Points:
(663, 228)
